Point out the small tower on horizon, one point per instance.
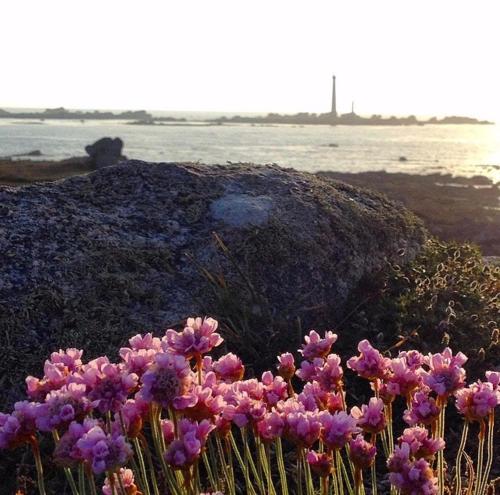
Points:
(334, 100)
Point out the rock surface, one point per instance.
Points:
(91, 260)
(105, 152)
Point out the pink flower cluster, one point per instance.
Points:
(98, 409)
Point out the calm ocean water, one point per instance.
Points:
(462, 150)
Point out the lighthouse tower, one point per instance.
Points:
(334, 100)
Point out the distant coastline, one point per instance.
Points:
(142, 117)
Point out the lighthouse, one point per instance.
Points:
(334, 100)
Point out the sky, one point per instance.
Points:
(400, 57)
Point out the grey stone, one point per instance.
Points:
(239, 210)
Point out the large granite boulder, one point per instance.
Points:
(91, 260)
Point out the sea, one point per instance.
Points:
(459, 150)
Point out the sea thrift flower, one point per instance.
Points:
(337, 428)
(275, 388)
(371, 417)
(19, 426)
(200, 402)
(182, 453)
(315, 398)
(127, 479)
(57, 369)
(494, 378)
(104, 452)
(421, 445)
(271, 426)
(404, 379)
(477, 400)
(330, 374)
(286, 366)
(108, 386)
(411, 476)
(321, 463)
(309, 369)
(242, 409)
(62, 406)
(168, 430)
(315, 346)
(229, 368)
(423, 409)
(140, 355)
(414, 359)
(370, 363)
(446, 374)
(361, 452)
(303, 428)
(197, 338)
(132, 414)
(167, 378)
(66, 453)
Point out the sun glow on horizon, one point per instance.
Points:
(390, 57)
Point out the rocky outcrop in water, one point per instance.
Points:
(91, 260)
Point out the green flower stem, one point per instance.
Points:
(39, 466)
(208, 468)
(230, 462)
(67, 471)
(149, 458)
(90, 476)
(490, 452)
(480, 456)
(340, 462)
(225, 467)
(440, 458)
(460, 453)
(338, 471)
(244, 467)
(142, 465)
(281, 467)
(270, 485)
(249, 461)
(81, 479)
(299, 471)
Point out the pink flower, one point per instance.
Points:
(229, 368)
(200, 402)
(411, 476)
(271, 426)
(321, 463)
(330, 374)
(66, 453)
(275, 388)
(337, 428)
(127, 479)
(108, 385)
(371, 417)
(182, 453)
(286, 366)
(133, 413)
(167, 378)
(477, 401)
(423, 410)
(302, 428)
(197, 338)
(57, 369)
(446, 374)
(63, 406)
(494, 378)
(104, 451)
(403, 379)
(315, 398)
(140, 355)
(309, 369)
(315, 346)
(370, 363)
(361, 452)
(168, 430)
(419, 442)
(19, 426)
(242, 409)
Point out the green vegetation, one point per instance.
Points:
(447, 296)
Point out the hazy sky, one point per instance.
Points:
(391, 57)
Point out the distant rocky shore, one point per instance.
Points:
(141, 117)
